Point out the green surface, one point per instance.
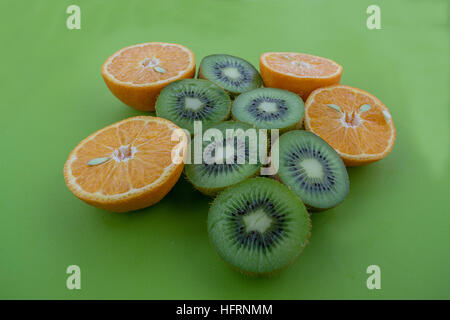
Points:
(395, 216)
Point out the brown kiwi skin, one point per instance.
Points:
(271, 273)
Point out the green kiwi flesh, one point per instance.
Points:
(189, 100)
(312, 169)
(231, 73)
(269, 108)
(211, 177)
(258, 226)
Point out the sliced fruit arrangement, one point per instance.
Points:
(136, 74)
(234, 74)
(230, 159)
(127, 165)
(298, 72)
(269, 108)
(354, 122)
(312, 169)
(258, 226)
(189, 100)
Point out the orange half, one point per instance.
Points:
(298, 72)
(128, 165)
(137, 74)
(354, 122)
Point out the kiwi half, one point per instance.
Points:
(231, 73)
(312, 169)
(212, 177)
(269, 108)
(189, 100)
(258, 226)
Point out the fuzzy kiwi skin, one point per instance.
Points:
(276, 271)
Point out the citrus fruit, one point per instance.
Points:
(128, 165)
(354, 122)
(298, 72)
(136, 74)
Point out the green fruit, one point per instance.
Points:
(211, 177)
(258, 226)
(189, 100)
(312, 169)
(231, 73)
(269, 108)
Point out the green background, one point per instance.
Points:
(53, 96)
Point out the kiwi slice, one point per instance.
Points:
(211, 176)
(258, 226)
(231, 73)
(189, 100)
(269, 108)
(312, 169)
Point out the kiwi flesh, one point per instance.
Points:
(231, 73)
(189, 100)
(211, 177)
(312, 169)
(269, 108)
(258, 226)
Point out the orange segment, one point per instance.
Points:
(298, 72)
(354, 122)
(133, 164)
(137, 74)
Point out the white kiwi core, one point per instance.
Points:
(231, 72)
(312, 167)
(257, 221)
(268, 106)
(192, 103)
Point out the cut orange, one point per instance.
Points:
(354, 122)
(298, 72)
(128, 165)
(137, 74)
